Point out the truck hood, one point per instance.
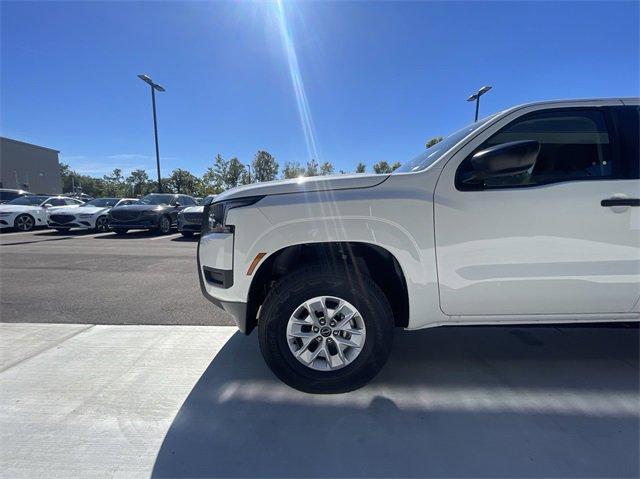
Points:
(303, 185)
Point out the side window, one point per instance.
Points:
(627, 120)
(188, 201)
(56, 202)
(574, 145)
(71, 202)
(8, 195)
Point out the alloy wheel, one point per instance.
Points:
(24, 223)
(101, 224)
(326, 333)
(165, 225)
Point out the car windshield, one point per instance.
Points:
(157, 200)
(102, 202)
(429, 157)
(28, 200)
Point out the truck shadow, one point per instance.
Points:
(467, 401)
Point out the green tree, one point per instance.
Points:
(292, 169)
(236, 174)
(312, 168)
(138, 181)
(384, 167)
(225, 174)
(433, 141)
(326, 168)
(361, 168)
(182, 181)
(213, 178)
(114, 184)
(265, 167)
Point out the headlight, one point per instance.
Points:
(215, 214)
(149, 213)
(5, 213)
(85, 215)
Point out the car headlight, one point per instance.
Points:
(149, 213)
(5, 213)
(215, 214)
(85, 215)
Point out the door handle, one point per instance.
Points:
(620, 202)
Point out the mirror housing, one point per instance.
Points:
(177, 204)
(47, 205)
(506, 159)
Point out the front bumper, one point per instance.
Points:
(137, 224)
(192, 227)
(216, 275)
(72, 224)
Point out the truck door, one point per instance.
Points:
(562, 238)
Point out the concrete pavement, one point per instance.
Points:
(184, 401)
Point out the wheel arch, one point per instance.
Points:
(361, 257)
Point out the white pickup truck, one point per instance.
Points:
(528, 216)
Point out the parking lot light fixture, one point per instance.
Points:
(476, 97)
(154, 87)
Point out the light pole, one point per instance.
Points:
(154, 87)
(476, 97)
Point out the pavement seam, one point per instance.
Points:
(46, 348)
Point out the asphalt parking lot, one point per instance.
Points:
(81, 277)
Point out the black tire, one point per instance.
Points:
(290, 292)
(164, 225)
(187, 234)
(120, 231)
(24, 222)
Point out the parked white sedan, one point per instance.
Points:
(27, 212)
(89, 216)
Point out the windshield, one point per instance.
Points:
(429, 157)
(102, 202)
(28, 200)
(157, 200)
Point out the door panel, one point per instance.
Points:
(546, 250)
(515, 246)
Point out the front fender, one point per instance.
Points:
(278, 222)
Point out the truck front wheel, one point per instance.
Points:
(325, 330)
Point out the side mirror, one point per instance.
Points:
(177, 204)
(506, 159)
(47, 205)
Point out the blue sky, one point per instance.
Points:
(380, 78)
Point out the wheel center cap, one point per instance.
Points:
(325, 331)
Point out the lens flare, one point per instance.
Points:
(306, 120)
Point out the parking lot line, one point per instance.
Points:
(93, 235)
(165, 237)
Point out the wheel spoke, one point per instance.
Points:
(344, 323)
(302, 334)
(304, 348)
(346, 342)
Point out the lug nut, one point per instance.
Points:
(316, 329)
(319, 339)
(330, 340)
(322, 322)
(335, 333)
(332, 324)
